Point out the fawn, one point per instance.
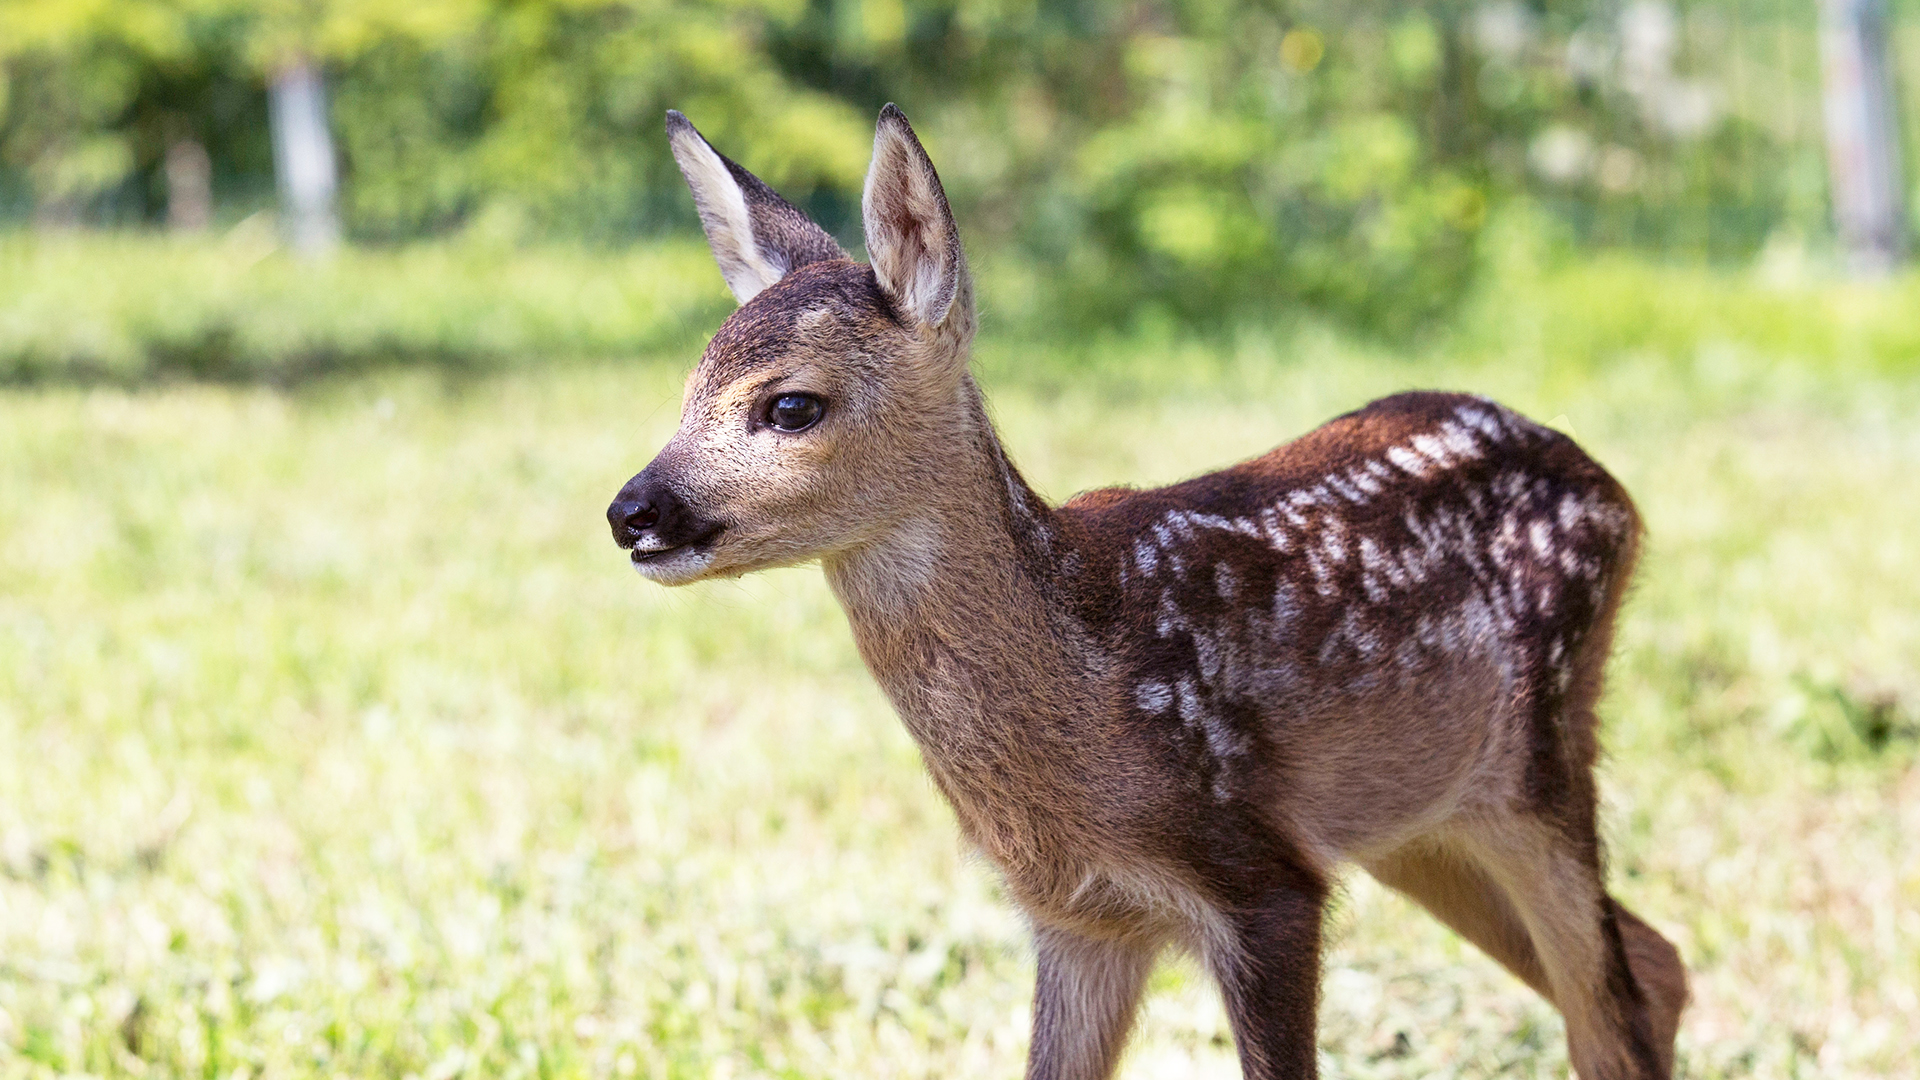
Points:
(1168, 716)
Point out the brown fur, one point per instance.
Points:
(1168, 716)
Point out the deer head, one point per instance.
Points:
(815, 419)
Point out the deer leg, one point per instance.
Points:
(1458, 892)
(1269, 972)
(1615, 1024)
(1083, 1003)
(1662, 978)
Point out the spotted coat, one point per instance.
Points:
(1427, 547)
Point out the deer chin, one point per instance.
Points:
(679, 565)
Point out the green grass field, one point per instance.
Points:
(336, 738)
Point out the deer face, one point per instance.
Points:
(812, 422)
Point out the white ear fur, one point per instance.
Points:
(723, 212)
(911, 237)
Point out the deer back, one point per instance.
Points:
(1367, 626)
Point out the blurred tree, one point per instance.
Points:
(522, 118)
(1159, 160)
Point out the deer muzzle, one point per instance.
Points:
(650, 520)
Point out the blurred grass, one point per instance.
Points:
(132, 307)
(337, 739)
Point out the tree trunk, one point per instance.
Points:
(303, 158)
(189, 187)
(1863, 141)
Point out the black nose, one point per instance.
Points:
(630, 518)
(643, 504)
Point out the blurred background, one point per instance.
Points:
(336, 738)
(1116, 165)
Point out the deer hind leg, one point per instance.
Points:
(1457, 891)
(1662, 978)
(1618, 984)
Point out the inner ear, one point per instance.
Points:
(911, 236)
(757, 237)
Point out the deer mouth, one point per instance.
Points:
(694, 545)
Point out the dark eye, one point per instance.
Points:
(795, 412)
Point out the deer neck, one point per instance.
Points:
(957, 609)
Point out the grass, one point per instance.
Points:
(140, 308)
(336, 739)
(134, 308)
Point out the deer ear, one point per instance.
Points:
(911, 237)
(757, 237)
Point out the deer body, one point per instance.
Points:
(1169, 716)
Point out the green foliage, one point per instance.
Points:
(1186, 162)
(525, 119)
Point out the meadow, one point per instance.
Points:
(337, 739)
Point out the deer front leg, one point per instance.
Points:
(1268, 965)
(1083, 1003)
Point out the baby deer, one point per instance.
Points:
(1167, 716)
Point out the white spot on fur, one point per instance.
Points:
(1366, 483)
(1169, 618)
(1485, 421)
(1570, 563)
(1459, 441)
(1481, 625)
(1409, 462)
(1223, 743)
(1225, 582)
(1190, 708)
(1285, 604)
(1153, 697)
(1376, 562)
(1429, 446)
(1145, 557)
(1322, 577)
(1346, 490)
(1570, 512)
(1207, 651)
(1334, 538)
(1275, 533)
(1407, 655)
(1364, 640)
(1541, 537)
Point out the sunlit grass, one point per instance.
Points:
(138, 307)
(337, 739)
